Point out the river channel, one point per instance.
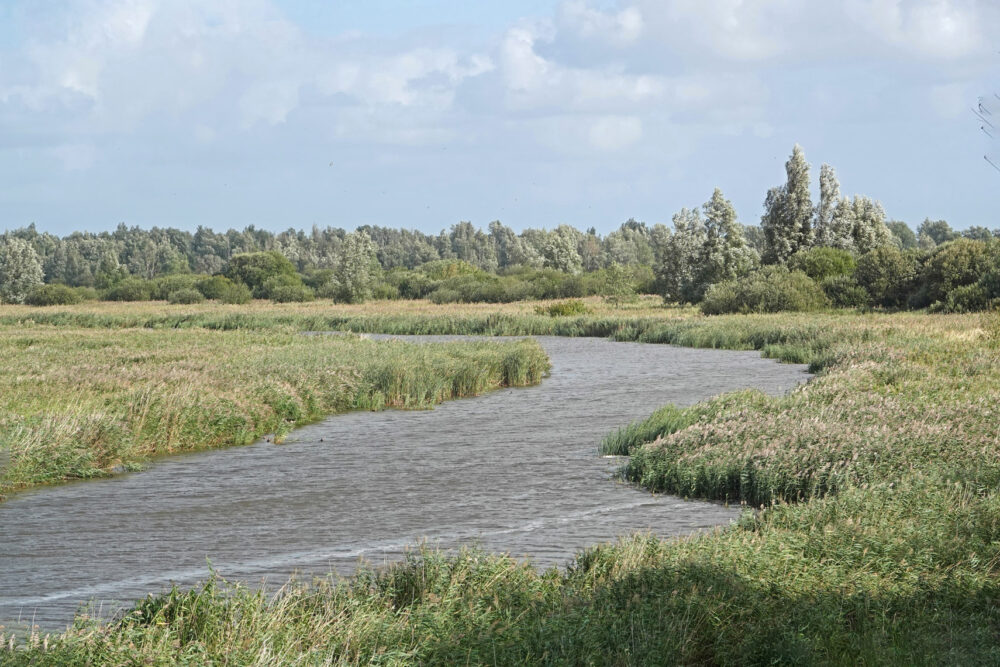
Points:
(514, 471)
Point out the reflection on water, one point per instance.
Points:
(515, 471)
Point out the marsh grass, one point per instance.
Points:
(874, 536)
(76, 403)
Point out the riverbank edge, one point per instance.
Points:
(786, 584)
(520, 364)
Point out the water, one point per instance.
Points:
(515, 471)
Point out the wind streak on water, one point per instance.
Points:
(515, 471)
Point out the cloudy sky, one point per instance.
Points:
(418, 114)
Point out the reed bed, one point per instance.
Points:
(79, 403)
(872, 534)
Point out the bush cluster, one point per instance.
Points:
(186, 295)
(57, 295)
(959, 276)
(772, 289)
(454, 281)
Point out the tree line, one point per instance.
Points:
(840, 251)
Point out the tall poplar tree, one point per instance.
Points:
(725, 253)
(787, 219)
(829, 195)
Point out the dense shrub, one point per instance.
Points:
(411, 284)
(290, 293)
(256, 268)
(820, 263)
(385, 291)
(990, 280)
(771, 289)
(213, 287)
(964, 299)
(87, 293)
(887, 275)
(130, 289)
(53, 295)
(162, 287)
(444, 295)
(317, 278)
(564, 308)
(844, 292)
(185, 296)
(236, 293)
(955, 264)
(283, 283)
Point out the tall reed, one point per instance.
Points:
(78, 403)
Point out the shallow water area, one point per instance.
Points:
(515, 471)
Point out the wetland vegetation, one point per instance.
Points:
(80, 402)
(872, 532)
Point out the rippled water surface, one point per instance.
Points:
(515, 471)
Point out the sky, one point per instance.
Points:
(421, 114)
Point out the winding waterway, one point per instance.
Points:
(515, 471)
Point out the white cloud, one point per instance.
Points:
(807, 31)
(417, 77)
(534, 82)
(613, 133)
(730, 29)
(587, 80)
(618, 28)
(269, 102)
(227, 63)
(936, 29)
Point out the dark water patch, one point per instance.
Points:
(516, 471)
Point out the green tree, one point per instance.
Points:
(887, 274)
(678, 270)
(725, 254)
(902, 236)
(938, 230)
(956, 264)
(617, 287)
(473, 246)
(20, 270)
(788, 212)
(820, 263)
(254, 269)
(977, 233)
(357, 269)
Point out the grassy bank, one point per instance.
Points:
(77, 403)
(877, 539)
(392, 317)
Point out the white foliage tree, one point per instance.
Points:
(787, 219)
(560, 250)
(20, 270)
(869, 231)
(678, 268)
(357, 269)
(725, 253)
(829, 196)
(840, 232)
